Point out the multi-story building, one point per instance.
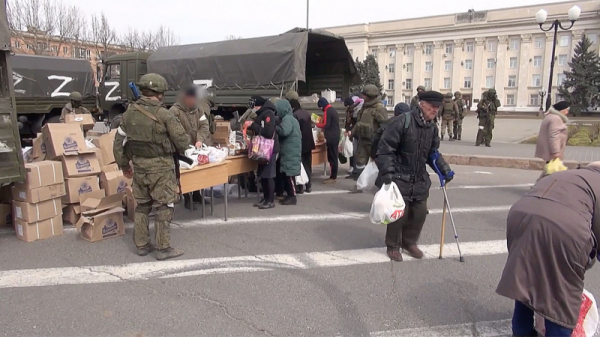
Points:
(471, 52)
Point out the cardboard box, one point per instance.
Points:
(93, 133)
(221, 135)
(62, 139)
(114, 182)
(130, 203)
(39, 230)
(5, 215)
(38, 151)
(44, 173)
(94, 195)
(105, 144)
(35, 195)
(35, 212)
(78, 186)
(102, 204)
(83, 164)
(71, 214)
(100, 225)
(86, 121)
(110, 168)
(98, 153)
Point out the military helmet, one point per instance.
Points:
(421, 88)
(153, 82)
(370, 90)
(449, 95)
(457, 94)
(76, 96)
(491, 91)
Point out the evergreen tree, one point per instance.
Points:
(369, 73)
(582, 84)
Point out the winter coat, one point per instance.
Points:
(370, 118)
(290, 139)
(552, 138)
(194, 122)
(330, 125)
(551, 242)
(265, 124)
(399, 109)
(308, 142)
(404, 151)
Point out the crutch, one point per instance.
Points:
(433, 158)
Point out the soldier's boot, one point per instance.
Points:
(459, 136)
(455, 130)
(169, 253)
(451, 138)
(188, 203)
(479, 137)
(143, 251)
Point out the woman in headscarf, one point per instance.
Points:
(552, 137)
(552, 236)
(291, 149)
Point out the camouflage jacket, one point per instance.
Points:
(194, 122)
(462, 107)
(369, 119)
(414, 102)
(205, 107)
(487, 107)
(149, 143)
(448, 110)
(69, 110)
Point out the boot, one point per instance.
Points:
(308, 188)
(414, 251)
(394, 255)
(143, 251)
(267, 205)
(442, 138)
(168, 253)
(188, 204)
(300, 189)
(329, 181)
(455, 137)
(451, 139)
(290, 201)
(459, 137)
(488, 145)
(262, 201)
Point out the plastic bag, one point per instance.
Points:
(348, 149)
(366, 180)
(388, 205)
(218, 155)
(302, 179)
(587, 322)
(555, 165)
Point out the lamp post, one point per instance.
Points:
(542, 93)
(307, 12)
(540, 17)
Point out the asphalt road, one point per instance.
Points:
(315, 269)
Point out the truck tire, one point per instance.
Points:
(116, 121)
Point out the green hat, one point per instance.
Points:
(421, 88)
(76, 96)
(370, 90)
(154, 82)
(292, 95)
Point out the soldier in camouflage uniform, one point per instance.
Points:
(462, 111)
(148, 136)
(206, 105)
(74, 107)
(369, 119)
(414, 102)
(448, 113)
(486, 113)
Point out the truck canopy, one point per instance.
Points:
(46, 76)
(258, 62)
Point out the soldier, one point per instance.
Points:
(195, 124)
(369, 119)
(151, 135)
(74, 107)
(448, 113)
(486, 112)
(462, 111)
(206, 105)
(414, 102)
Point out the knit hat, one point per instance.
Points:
(292, 95)
(256, 100)
(323, 102)
(401, 108)
(561, 105)
(348, 101)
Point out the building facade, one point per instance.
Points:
(471, 52)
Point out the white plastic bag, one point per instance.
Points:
(345, 146)
(366, 180)
(388, 205)
(302, 179)
(218, 155)
(329, 95)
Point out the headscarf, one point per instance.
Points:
(283, 108)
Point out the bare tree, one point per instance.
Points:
(69, 26)
(33, 23)
(164, 37)
(134, 40)
(103, 35)
(233, 37)
(130, 40)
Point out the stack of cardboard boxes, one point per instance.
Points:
(222, 133)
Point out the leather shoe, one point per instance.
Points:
(394, 255)
(414, 251)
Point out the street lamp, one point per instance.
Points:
(540, 17)
(542, 93)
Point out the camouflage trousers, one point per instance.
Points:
(158, 189)
(484, 134)
(457, 128)
(363, 153)
(447, 125)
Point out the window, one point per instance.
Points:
(391, 68)
(410, 50)
(29, 46)
(491, 45)
(428, 49)
(539, 42)
(510, 99)
(534, 99)
(449, 48)
(512, 81)
(54, 48)
(408, 83)
(467, 82)
(390, 84)
(512, 63)
(17, 44)
(564, 41)
(536, 80)
(469, 64)
(562, 60)
(489, 81)
(593, 38)
(537, 61)
(392, 52)
(409, 67)
(390, 100)
(428, 66)
(114, 71)
(514, 44)
(427, 83)
(470, 47)
(407, 99)
(560, 79)
(447, 83)
(491, 63)
(448, 65)
(65, 51)
(88, 54)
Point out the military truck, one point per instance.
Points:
(306, 61)
(11, 157)
(42, 87)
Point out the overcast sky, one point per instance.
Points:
(197, 21)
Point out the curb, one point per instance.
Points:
(505, 162)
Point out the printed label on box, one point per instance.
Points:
(110, 228)
(23, 195)
(83, 165)
(19, 212)
(43, 147)
(20, 230)
(70, 144)
(122, 186)
(84, 188)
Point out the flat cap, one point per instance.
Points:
(432, 97)
(561, 105)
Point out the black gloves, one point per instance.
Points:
(387, 179)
